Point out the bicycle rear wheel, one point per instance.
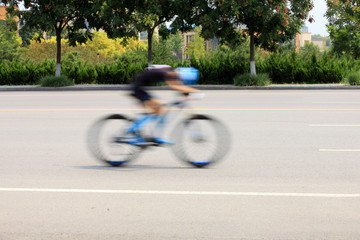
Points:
(109, 143)
(200, 140)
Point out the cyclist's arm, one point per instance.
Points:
(179, 86)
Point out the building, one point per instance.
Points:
(3, 14)
(302, 38)
(305, 37)
(320, 42)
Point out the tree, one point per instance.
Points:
(125, 18)
(344, 18)
(308, 50)
(196, 46)
(58, 15)
(103, 45)
(176, 42)
(27, 34)
(266, 22)
(9, 42)
(166, 51)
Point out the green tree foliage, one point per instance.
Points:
(217, 67)
(128, 18)
(168, 50)
(176, 42)
(308, 50)
(27, 34)
(267, 22)
(196, 47)
(9, 43)
(100, 50)
(56, 15)
(343, 27)
(165, 51)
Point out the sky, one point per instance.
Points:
(318, 11)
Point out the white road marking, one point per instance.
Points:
(338, 150)
(193, 109)
(205, 193)
(334, 125)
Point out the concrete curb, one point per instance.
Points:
(201, 87)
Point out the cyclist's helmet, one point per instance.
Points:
(188, 75)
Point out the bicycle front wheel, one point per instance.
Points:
(200, 140)
(109, 143)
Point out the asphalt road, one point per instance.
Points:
(293, 171)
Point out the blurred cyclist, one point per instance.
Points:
(160, 73)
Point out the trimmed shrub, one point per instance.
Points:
(219, 66)
(290, 67)
(247, 79)
(354, 78)
(53, 81)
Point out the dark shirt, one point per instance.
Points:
(145, 79)
(149, 77)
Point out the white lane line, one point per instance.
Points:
(206, 193)
(334, 125)
(338, 150)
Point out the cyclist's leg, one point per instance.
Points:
(148, 102)
(155, 110)
(154, 105)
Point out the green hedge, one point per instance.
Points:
(291, 68)
(24, 73)
(27, 73)
(216, 68)
(354, 78)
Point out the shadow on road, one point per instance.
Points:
(129, 168)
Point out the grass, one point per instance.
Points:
(354, 78)
(53, 81)
(261, 79)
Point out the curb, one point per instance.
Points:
(201, 87)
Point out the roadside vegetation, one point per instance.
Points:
(107, 61)
(54, 81)
(91, 57)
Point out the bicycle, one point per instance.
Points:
(197, 139)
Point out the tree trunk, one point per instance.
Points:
(150, 32)
(252, 54)
(58, 52)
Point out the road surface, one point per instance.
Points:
(293, 171)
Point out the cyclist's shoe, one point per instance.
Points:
(161, 141)
(142, 142)
(132, 140)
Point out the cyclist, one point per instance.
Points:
(159, 73)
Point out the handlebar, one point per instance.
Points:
(181, 103)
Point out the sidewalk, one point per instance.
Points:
(201, 87)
